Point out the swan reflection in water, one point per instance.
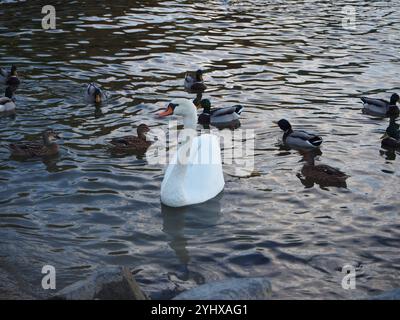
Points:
(321, 174)
(186, 223)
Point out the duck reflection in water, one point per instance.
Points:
(183, 224)
(391, 138)
(98, 112)
(321, 174)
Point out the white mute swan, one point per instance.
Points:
(194, 174)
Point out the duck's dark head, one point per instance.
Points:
(97, 95)
(142, 129)
(199, 75)
(9, 93)
(393, 111)
(49, 136)
(284, 125)
(13, 71)
(206, 105)
(394, 99)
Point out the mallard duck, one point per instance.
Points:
(323, 175)
(94, 94)
(133, 144)
(35, 149)
(9, 78)
(320, 174)
(7, 104)
(391, 138)
(298, 139)
(194, 81)
(219, 116)
(379, 107)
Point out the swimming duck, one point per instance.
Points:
(93, 93)
(194, 81)
(9, 78)
(194, 174)
(7, 105)
(379, 107)
(219, 116)
(391, 138)
(321, 174)
(35, 149)
(134, 144)
(298, 139)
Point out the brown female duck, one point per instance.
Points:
(132, 144)
(35, 149)
(321, 174)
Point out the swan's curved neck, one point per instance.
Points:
(190, 119)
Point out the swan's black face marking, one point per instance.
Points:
(173, 106)
(284, 125)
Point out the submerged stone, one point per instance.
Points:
(389, 295)
(230, 289)
(113, 283)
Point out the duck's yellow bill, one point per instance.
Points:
(98, 98)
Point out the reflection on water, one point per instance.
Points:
(280, 59)
(189, 221)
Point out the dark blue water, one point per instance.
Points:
(281, 59)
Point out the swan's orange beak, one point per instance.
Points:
(167, 112)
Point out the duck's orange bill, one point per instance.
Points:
(167, 112)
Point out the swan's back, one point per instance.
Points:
(203, 179)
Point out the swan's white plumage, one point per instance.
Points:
(199, 177)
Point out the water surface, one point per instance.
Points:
(281, 59)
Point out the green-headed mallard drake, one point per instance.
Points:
(321, 174)
(194, 81)
(219, 116)
(132, 144)
(9, 78)
(379, 107)
(35, 149)
(298, 139)
(7, 105)
(391, 138)
(93, 93)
